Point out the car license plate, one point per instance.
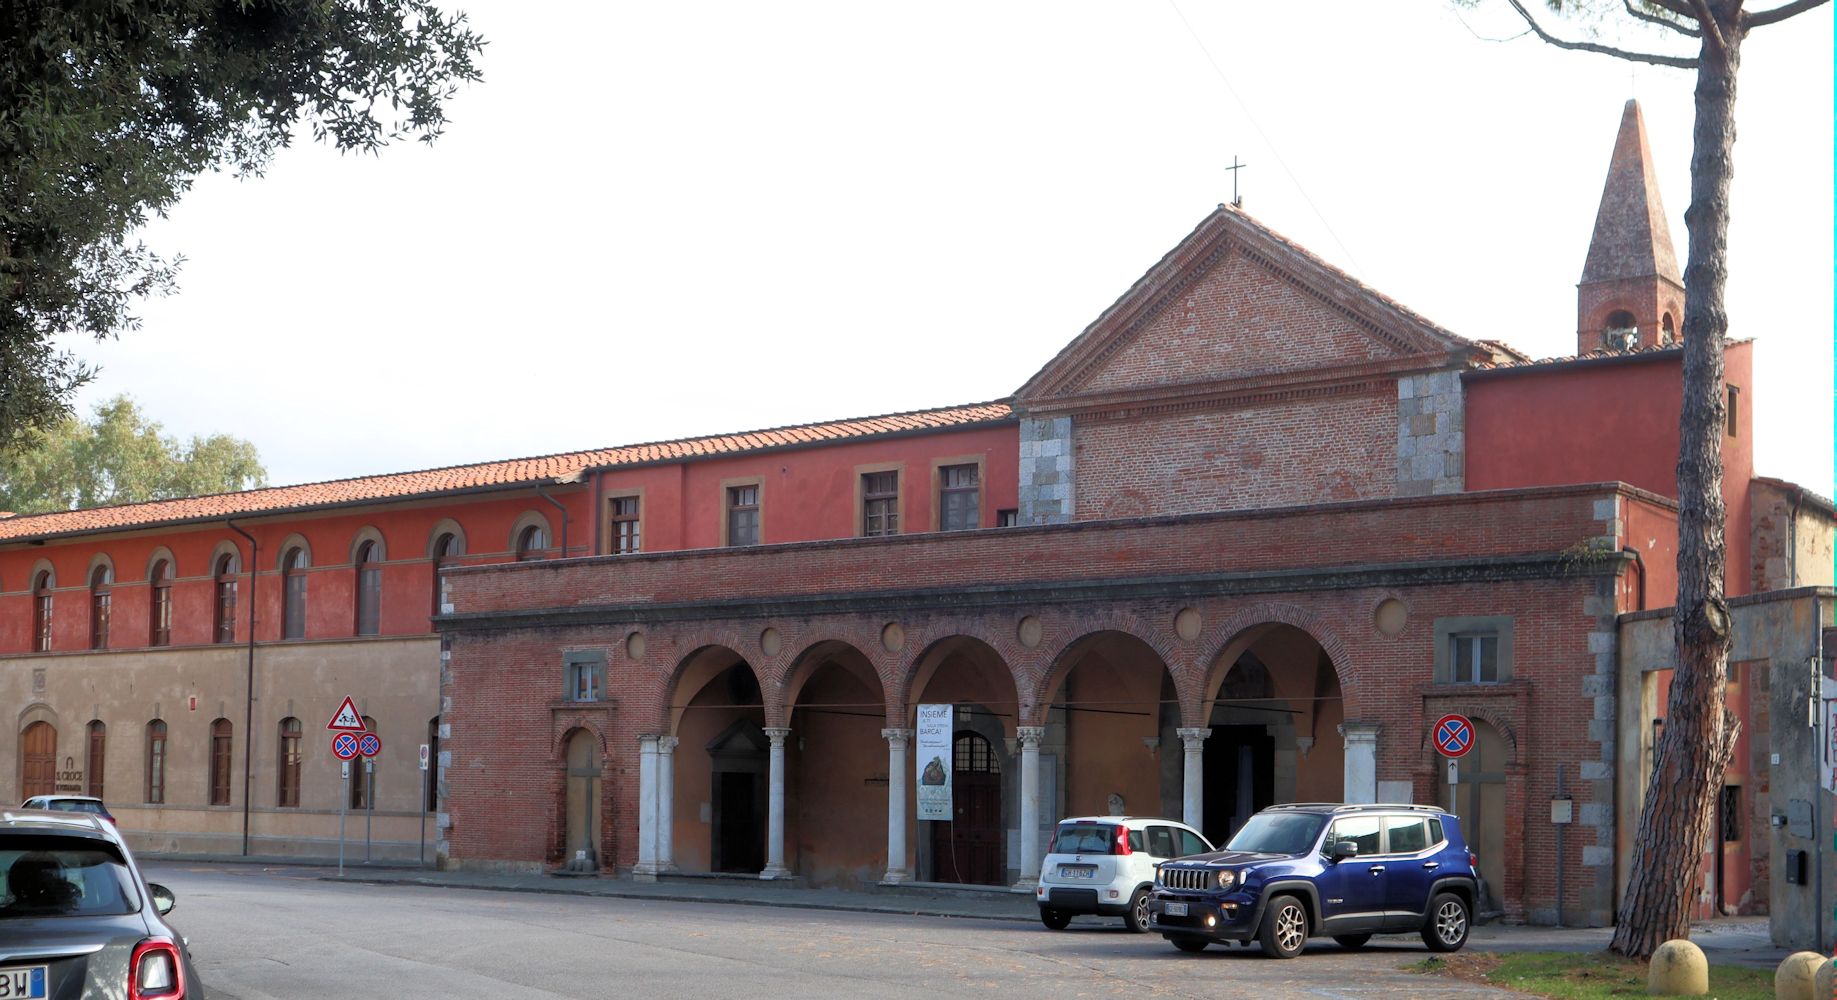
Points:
(1077, 871)
(23, 982)
(1174, 909)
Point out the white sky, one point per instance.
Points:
(654, 220)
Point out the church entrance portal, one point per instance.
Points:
(971, 850)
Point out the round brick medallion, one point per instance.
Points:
(1029, 631)
(1187, 623)
(893, 637)
(770, 642)
(634, 645)
(1390, 616)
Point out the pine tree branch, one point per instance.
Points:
(1665, 21)
(1676, 62)
(1780, 13)
(1681, 8)
(1711, 30)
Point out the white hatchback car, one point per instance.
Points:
(1106, 865)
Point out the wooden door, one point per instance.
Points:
(971, 849)
(1479, 800)
(584, 789)
(38, 755)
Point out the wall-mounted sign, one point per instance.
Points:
(935, 729)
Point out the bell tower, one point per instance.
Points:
(1631, 293)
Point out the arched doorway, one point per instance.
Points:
(581, 829)
(1479, 800)
(1273, 707)
(836, 765)
(740, 763)
(38, 759)
(719, 768)
(971, 851)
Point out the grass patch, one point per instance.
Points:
(1584, 975)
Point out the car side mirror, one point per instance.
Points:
(163, 899)
(1344, 849)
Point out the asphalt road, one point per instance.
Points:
(257, 935)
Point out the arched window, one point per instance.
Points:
(228, 568)
(220, 733)
(360, 774)
(287, 789)
(159, 613)
(445, 548)
(1668, 333)
(531, 542)
(972, 752)
(369, 588)
(156, 762)
(92, 765)
(1622, 332)
(41, 611)
(99, 602)
(293, 590)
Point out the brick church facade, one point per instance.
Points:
(1239, 543)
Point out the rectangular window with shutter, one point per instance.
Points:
(743, 515)
(959, 497)
(879, 503)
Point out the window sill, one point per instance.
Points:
(603, 705)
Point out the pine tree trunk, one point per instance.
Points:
(1699, 736)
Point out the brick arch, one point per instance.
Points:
(698, 645)
(567, 732)
(802, 666)
(1224, 636)
(1103, 621)
(899, 695)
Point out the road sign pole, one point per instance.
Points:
(344, 801)
(369, 802)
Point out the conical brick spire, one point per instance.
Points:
(1631, 279)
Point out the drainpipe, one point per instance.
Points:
(248, 703)
(1818, 738)
(564, 518)
(1792, 544)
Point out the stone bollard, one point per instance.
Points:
(1797, 977)
(1678, 970)
(1824, 984)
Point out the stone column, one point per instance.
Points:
(1193, 776)
(775, 809)
(1361, 760)
(897, 741)
(646, 868)
(1030, 737)
(666, 803)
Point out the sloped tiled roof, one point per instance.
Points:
(1569, 359)
(563, 467)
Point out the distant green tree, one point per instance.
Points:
(109, 110)
(119, 457)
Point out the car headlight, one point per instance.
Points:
(1226, 878)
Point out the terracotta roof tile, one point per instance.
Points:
(517, 471)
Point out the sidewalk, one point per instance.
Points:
(1734, 941)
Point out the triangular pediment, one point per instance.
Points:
(1237, 304)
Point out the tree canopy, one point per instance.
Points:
(109, 110)
(117, 457)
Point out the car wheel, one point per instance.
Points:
(1191, 944)
(1137, 917)
(1449, 918)
(1285, 928)
(1352, 941)
(1055, 920)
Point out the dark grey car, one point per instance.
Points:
(77, 920)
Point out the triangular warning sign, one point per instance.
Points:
(347, 718)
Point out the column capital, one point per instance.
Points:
(1360, 732)
(647, 743)
(899, 738)
(667, 744)
(777, 735)
(1195, 734)
(1030, 736)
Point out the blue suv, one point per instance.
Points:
(1348, 871)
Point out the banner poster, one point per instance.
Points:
(935, 725)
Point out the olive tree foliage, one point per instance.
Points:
(1703, 37)
(119, 456)
(110, 108)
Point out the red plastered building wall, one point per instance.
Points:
(812, 493)
(406, 530)
(1604, 419)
